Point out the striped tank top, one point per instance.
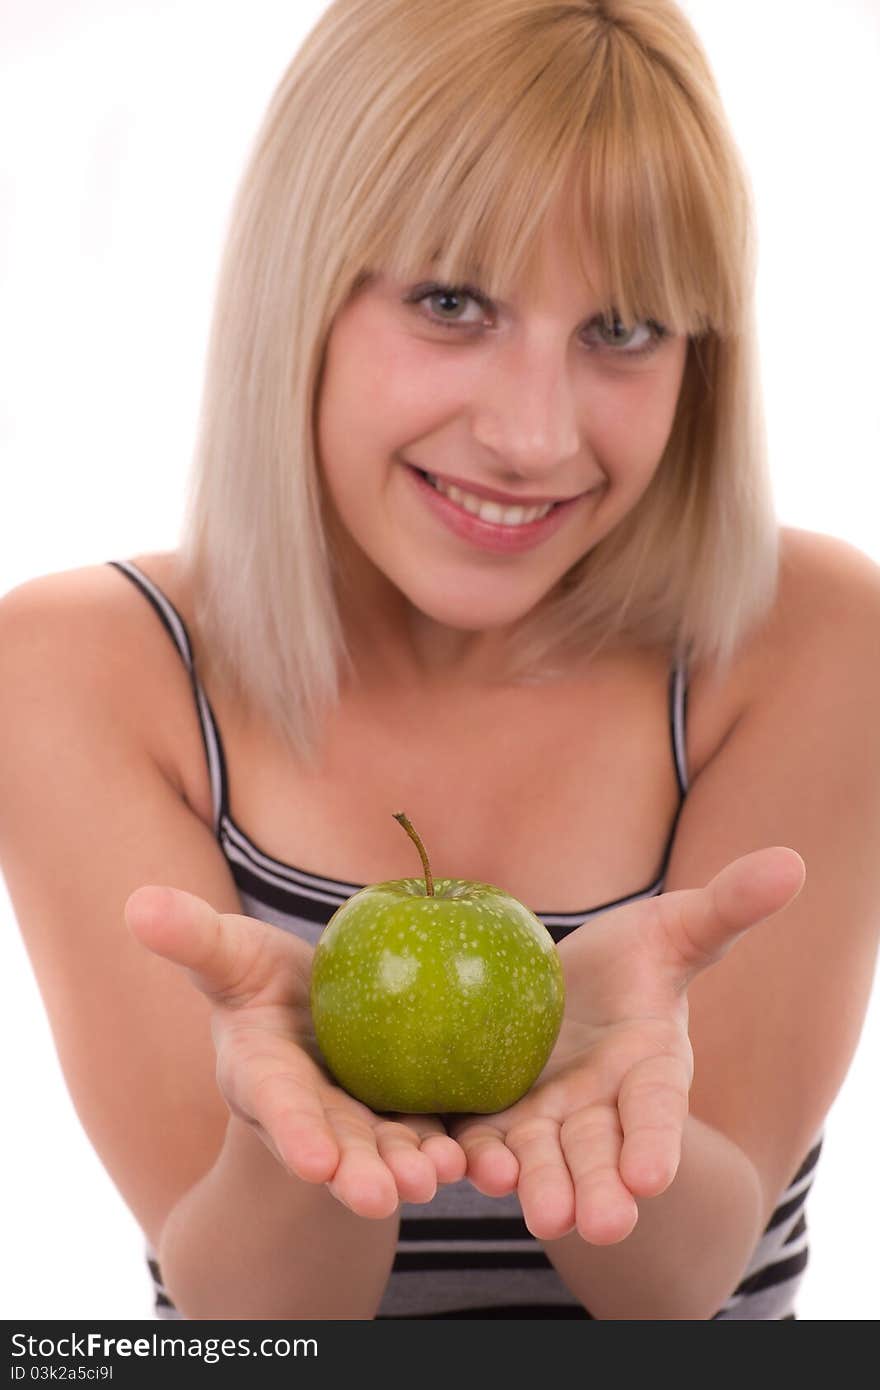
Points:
(464, 1255)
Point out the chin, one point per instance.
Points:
(473, 616)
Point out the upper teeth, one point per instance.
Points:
(490, 511)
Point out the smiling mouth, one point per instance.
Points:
(442, 486)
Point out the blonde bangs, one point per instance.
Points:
(500, 168)
(578, 118)
(662, 200)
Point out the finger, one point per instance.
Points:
(400, 1148)
(304, 1145)
(653, 1106)
(230, 958)
(491, 1166)
(447, 1157)
(545, 1190)
(289, 1117)
(605, 1210)
(362, 1182)
(701, 924)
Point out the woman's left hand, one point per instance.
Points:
(603, 1123)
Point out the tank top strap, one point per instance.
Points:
(177, 630)
(678, 693)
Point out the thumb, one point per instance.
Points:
(703, 923)
(230, 958)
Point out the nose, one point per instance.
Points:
(525, 411)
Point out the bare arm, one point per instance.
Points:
(775, 1023)
(250, 1240)
(88, 815)
(689, 1246)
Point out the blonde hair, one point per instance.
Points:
(406, 131)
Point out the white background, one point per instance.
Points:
(124, 125)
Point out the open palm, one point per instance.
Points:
(269, 1069)
(603, 1123)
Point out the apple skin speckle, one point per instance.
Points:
(436, 1005)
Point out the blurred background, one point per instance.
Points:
(124, 126)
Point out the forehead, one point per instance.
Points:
(561, 255)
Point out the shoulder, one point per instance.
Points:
(824, 579)
(86, 635)
(826, 607)
(821, 646)
(823, 624)
(808, 677)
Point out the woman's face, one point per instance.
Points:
(535, 397)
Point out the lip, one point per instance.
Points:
(490, 495)
(504, 540)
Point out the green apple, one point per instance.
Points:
(434, 999)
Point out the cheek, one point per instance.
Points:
(631, 429)
(353, 419)
(351, 383)
(381, 398)
(629, 445)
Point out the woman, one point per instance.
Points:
(479, 250)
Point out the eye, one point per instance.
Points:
(450, 303)
(449, 300)
(643, 337)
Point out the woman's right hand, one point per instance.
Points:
(269, 1067)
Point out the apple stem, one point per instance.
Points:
(413, 834)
